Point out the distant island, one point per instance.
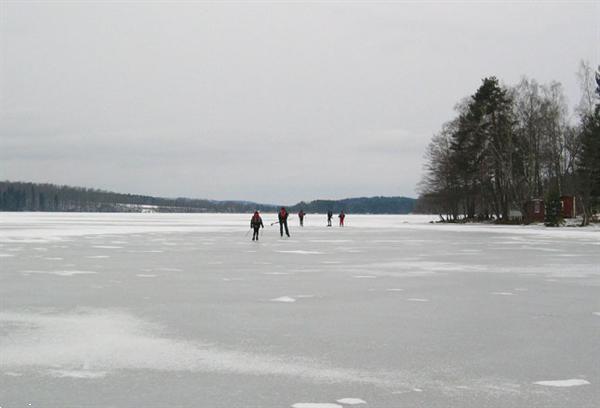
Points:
(25, 196)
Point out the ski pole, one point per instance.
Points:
(247, 232)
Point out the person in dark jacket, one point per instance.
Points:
(256, 223)
(341, 217)
(329, 217)
(301, 215)
(283, 216)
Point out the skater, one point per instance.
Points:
(283, 216)
(256, 223)
(301, 215)
(329, 217)
(341, 217)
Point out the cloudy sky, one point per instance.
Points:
(271, 102)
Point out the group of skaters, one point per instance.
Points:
(256, 222)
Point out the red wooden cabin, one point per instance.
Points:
(567, 204)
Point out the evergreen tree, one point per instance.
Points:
(553, 214)
(483, 150)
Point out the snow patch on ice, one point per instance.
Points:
(284, 299)
(107, 246)
(330, 240)
(83, 374)
(596, 313)
(574, 382)
(365, 276)
(315, 405)
(394, 290)
(406, 268)
(92, 343)
(6, 255)
(54, 258)
(98, 256)
(300, 252)
(503, 293)
(9, 240)
(417, 300)
(351, 401)
(60, 273)
(146, 275)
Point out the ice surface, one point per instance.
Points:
(185, 310)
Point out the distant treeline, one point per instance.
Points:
(507, 146)
(18, 196)
(23, 196)
(362, 205)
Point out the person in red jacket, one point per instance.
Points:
(283, 216)
(256, 223)
(342, 216)
(301, 215)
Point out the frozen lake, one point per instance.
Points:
(174, 310)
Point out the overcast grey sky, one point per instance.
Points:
(272, 102)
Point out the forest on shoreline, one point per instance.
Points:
(510, 145)
(25, 196)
